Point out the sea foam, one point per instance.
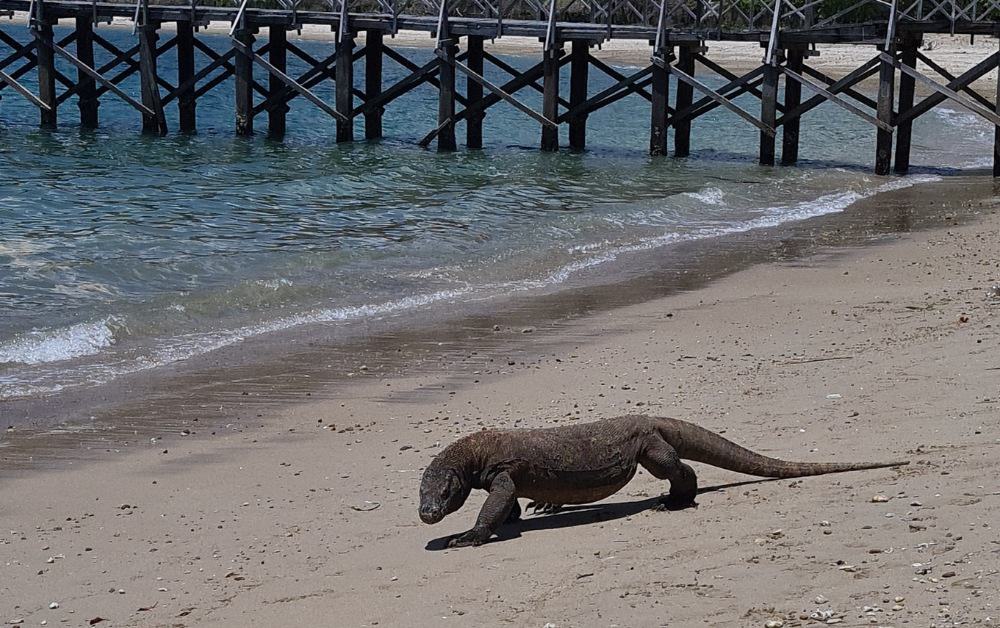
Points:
(56, 345)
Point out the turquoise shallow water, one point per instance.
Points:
(121, 253)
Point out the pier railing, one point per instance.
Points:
(705, 16)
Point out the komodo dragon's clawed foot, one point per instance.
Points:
(672, 502)
(543, 508)
(467, 539)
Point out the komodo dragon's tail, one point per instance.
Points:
(696, 443)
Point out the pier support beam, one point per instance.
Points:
(373, 82)
(550, 97)
(156, 123)
(46, 73)
(474, 94)
(685, 96)
(660, 87)
(579, 65)
(907, 84)
(886, 94)
(768, 113)
(996, 131)
(344, 82)
(277, 55)
(793, 97)
(244, 84)
(446, 97)
(87, 86)
(185, 74)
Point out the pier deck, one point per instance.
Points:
(678, 33)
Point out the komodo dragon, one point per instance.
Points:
(578, 464)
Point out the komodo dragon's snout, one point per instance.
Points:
(583, 463)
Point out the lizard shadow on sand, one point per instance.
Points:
(585, 514)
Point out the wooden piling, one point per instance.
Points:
(46, 72)
(446, 97)
(277, 56)
(474, 94)
(150, 89)
(886, 94)
(996, 130)
(185, 74)
(768, 112)
(907, 84)
(579, 65)
(660, 87)
(344, 82)
(793, 98)
(685, 96)
(86, 85)
(373, 82)
(550, 97)
(243, 64)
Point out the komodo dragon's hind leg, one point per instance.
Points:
(662, 461)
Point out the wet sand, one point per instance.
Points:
(303, 511)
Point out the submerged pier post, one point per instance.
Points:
(446, 97)
(886, 94)
(768, 112)
(46, 72)
(277, 55)
(344, 82)
(86, 85)
(550, 96)
(793, 97)
(156, 123)
(185, 76)
(474, 94)
(244, 84)
(907, 84)
(659, 110)
(579, 65)
(373, 82)
(684, 99)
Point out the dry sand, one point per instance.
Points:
(884, 352)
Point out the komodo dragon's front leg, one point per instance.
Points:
(497, 507)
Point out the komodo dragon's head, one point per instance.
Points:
(442, 491)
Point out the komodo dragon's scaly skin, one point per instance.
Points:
(578, 464)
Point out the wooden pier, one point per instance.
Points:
(679, 33)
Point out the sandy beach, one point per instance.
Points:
(304, 512)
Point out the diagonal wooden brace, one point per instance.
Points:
(94, 74)
(717, 97)
(943, 90)
(820, 89)
(289, 81)
(24, 91)
(606, 96)
(500, 92)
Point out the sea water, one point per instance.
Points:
(122, 253)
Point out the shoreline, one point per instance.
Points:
(954, 53)
(282, 366)
(859, 353)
